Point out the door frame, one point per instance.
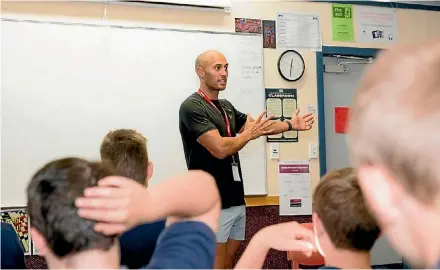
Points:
(329, 51)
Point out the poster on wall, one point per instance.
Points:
(245, 25)
(342, 23)
(282, 103)
(269, 36)
(376, 25)
(295, 185)
(19, 219)
(298, 31)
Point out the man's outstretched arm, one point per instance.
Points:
(299, 123)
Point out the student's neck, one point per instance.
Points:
(91, 259)
(346, 259)
(210, 93)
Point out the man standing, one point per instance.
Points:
(213, 132)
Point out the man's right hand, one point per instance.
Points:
(258, 127)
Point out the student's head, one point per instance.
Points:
(126, 151)
(394, 137)
(212, 69)
(341, 218)
(57, 230)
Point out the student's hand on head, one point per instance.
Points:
(304, 122)
(288, 236)
(117, 204)
(259, 126)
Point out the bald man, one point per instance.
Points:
(213, 132)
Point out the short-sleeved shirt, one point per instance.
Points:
(185, 245)
(138, 244)
(196, 117)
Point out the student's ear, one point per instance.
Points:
(39, 241)
(316, 223)
(149, 171)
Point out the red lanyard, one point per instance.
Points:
(228, 125)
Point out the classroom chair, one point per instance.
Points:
(298, 258)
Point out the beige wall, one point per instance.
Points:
(412, 25)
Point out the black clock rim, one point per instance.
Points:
(303, 63)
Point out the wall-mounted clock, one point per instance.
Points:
(291, 65)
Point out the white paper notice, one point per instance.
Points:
(295, 188)
(298, 31)
(376, 24)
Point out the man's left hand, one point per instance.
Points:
(304, 122)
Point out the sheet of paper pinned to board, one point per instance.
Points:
(375, 24)
(295, 185)
(298, 31)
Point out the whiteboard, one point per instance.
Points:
(65, 85)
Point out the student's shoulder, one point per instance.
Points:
(188, 228)
(6, 227)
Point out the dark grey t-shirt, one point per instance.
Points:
(196, 117)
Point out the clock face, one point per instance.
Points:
(291, 65)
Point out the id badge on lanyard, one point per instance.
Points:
(235, 171)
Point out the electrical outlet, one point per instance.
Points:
(313, 150)
(274, 151)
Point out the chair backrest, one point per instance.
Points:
(300, 258)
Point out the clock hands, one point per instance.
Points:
(291, 63)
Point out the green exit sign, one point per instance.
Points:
(341, 12)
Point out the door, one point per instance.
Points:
(341, 78)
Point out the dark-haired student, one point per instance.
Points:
(68, 236)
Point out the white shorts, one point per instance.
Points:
(232, 224)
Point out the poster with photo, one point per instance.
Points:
(282, 103)
(19, 219)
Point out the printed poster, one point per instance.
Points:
(342, 23)
(19, 219)
(269, 34)
(341, 118)
(295, 188)
(298, 31)
(244, 25)
(376, 25)
(282, 103)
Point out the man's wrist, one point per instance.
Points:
(246, 134)
(289, 125)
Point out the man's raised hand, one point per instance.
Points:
(259, 127)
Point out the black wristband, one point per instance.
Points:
(290, 125)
